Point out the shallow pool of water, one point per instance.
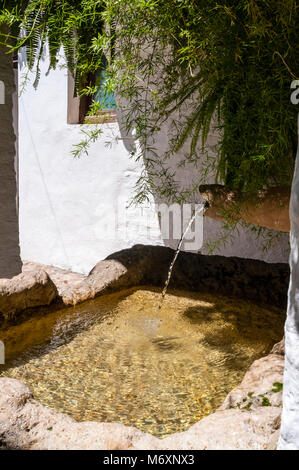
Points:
(119, 359)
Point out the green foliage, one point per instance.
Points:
(90, 136)
(231, 62)
(277, 387)
(247, 406)
(251, 399)
(71, 25)
(265, 401)
(196, 65)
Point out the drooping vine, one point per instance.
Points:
(182, 69)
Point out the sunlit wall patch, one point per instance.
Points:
(2, 92)
(295, 93)
(2, 353)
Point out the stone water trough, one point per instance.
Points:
(26, 424)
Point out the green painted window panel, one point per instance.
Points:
(102, 96)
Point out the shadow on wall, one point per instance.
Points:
(205, 232)
(254, 280)
(172, 217)
(10, 261)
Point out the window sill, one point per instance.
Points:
(104, 117)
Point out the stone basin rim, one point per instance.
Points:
(265, 284)
(140, 265)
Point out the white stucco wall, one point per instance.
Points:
(289, 439)
(67, 206)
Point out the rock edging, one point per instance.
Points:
(27, 290)
(26, 424)
(40, 285)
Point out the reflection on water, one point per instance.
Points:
(120, 359)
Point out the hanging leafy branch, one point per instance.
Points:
(54, 24)
(181, 70)
(219, 65)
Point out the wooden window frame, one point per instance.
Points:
(78, 107)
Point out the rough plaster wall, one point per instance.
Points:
(289, 439)
(10, 261)
(67, 206)
(243, 242)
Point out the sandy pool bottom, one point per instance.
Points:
(119, 359)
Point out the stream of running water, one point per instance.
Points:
(198, 211)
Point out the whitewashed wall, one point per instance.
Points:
(289, 439)
(67, 205)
